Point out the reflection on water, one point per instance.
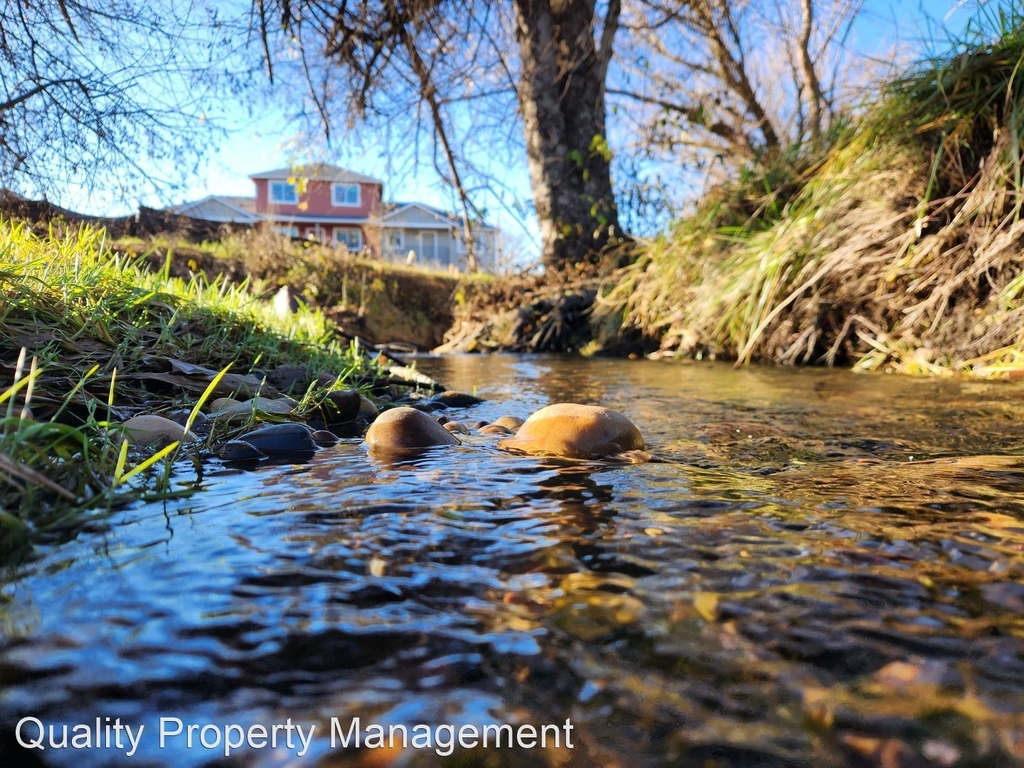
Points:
(823, 570)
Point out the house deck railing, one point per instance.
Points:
(424, 256)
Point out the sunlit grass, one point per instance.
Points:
(77, 324)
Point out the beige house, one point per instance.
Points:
(421, 234)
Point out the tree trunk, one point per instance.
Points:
(562, 99)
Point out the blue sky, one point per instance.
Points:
(265, 142)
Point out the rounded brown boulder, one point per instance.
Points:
(576, 432)
(405, 430)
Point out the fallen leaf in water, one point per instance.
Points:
(886, 753)
(863, 745)
(920, 672)
(818, 706)
(590, 616)
(706, 604)
(898, 673)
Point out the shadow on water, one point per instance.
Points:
(827, 570)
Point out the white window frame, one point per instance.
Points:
(276, 187)
(343, 185)
(286, 230)
(395, 239)
(340, 238)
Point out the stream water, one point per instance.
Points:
(821, 569)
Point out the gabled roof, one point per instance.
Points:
(317, 172)
(240, 201)
(235, 208)
(441, 217)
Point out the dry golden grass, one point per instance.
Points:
(903, 248)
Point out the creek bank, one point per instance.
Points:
(108, 369)
(896, 245)
(373, 301)
(554, 312)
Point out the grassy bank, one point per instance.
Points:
(88, 339)
(379, 301)
(900, 246)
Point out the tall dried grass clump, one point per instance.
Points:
(901, 247)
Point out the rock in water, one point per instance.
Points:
(511, 423)
(405, 430)
(495, 429)
(347, 402)
(450, 399)
(240, 451)
(150, 429)
(287, 442)
(576, 432)
(366, 408)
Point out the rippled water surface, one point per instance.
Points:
(821, 569)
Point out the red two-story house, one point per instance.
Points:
(319, 201)
(335, 205)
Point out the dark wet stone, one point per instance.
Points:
(290, 378)
(406, 430)
(367, 409)
(345, 404)
(325, 438)
(426, 406)
(240, 450)
(282, 441)
(327, 379)
(455, 399)
(181, 415)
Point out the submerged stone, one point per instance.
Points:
(228, 409)
(451, 399)
(405, 430)
(239, 450)
(325, 438)
(495, 429)
(511, 423)
(282, 441)
(576, 432)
